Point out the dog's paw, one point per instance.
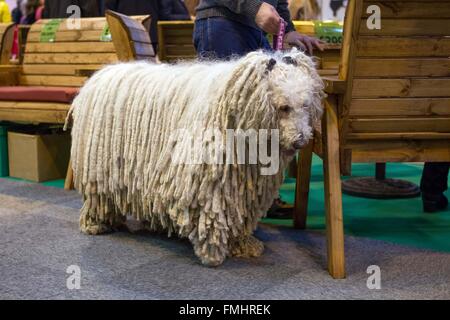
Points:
(246, 247)
(96, 229)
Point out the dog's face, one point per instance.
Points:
(296, 94)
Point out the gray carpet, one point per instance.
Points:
(39, 239)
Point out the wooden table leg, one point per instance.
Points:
(333, 193)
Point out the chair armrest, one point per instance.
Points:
(334, 85)
(327, 72)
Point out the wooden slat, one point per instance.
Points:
(143, 49)
(379, 88)
(399, 136)
(408, 27)
(400, 151)
(57, 69)
(140, 35)
(412, 67)
(70, 47)
(85, 24)
(60, 81)
(46, 114)
(34, 106)
(427, 124)
(68, 58)
(188, 51)
(177, 33)
(410, 9)
(179, 40)
(403, 47)
(334, 85)
(400, 107)
(69, 36)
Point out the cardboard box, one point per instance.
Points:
(38, 157)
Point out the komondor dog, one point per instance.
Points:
(153, 141)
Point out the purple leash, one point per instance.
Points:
(278, 39)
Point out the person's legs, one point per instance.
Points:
(221, 38)
(433, 185)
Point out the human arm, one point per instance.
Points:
(294, 38)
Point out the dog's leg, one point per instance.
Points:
(93, 219)
(212, 247)
(246, 247)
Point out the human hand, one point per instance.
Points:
(303, 42)
(268, 19)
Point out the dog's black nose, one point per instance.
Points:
(298, 144)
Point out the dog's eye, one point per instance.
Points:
(285, 108)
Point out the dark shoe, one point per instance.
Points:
(434, 202)
(280, 210)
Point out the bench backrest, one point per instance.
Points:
(398, 76)
(55, 53)
(133, 31)
(175, 40)
(6, 42)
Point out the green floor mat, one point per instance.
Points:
(53, 183)
(400, 221)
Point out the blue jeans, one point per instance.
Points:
(222, 38)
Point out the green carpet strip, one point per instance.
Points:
(398, 221)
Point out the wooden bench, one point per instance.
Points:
(55, 66)
(59, 64)
(389, 103)
(175, 43)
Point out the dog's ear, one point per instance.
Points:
(270, 65)
(290, 60)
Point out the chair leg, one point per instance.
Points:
(333, 193)
(292, 168)
(68, 184)
(302, 186)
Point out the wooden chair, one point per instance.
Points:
(175, 40)
(54, 68)
(390, 103)
(6, 42)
